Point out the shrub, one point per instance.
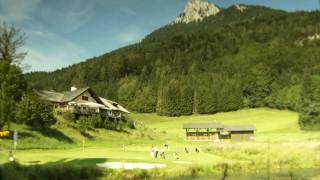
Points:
(131, 124)
(17, 171)
(310, 116)
(121, 125)
(69, 117)
(96, 121)
(35, 112)
(110, 124)
(84, 124)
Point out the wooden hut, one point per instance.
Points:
(217, 132)
(202, 131)
(241, 132)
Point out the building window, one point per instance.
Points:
(85, 98)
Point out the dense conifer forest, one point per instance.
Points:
(255, 58)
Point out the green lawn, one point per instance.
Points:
(290, 148)
(273, 125)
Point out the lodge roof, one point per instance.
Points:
(63, 96)
(50, 95)
(113, 105)
(68, 96)
(240, 128)
(202, 125)
(71, 95)
(214, 125)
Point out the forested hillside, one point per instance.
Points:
(258, 57)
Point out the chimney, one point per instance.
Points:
(73, 88)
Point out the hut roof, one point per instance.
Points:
(66, 96)
(50, 95)
(240, 128)
(113, 105)
(214, 125)
(71, 95)
(202, 125)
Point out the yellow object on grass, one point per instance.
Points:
(4, 134)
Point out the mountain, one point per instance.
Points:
(197, 10)
(243, 56)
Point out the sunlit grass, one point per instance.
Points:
(289, 146)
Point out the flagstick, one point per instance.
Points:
(83, 145)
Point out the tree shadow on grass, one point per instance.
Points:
(86, 162)
(54, 133)
(25, 134)
(62, 169)
(87, 135)
(123, 131)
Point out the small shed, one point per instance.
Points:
(241, 132)
(202, 131)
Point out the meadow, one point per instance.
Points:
(281, 150)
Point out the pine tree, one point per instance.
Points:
(6, 106)
(186, 100)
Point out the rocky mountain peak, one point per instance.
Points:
(197, 10)
(240, 7)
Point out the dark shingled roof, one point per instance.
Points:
(50, 95)
(66, 96)
(219, 126)
(71, 95)
(202, 125)
(240, 128)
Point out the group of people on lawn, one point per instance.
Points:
(162, 153)
(154, 152)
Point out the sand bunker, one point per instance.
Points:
(123, 165)
(182, 162)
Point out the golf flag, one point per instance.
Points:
(15, 139)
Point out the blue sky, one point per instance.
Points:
(64, 32)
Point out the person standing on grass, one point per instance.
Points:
(175, 156)
(186, 150)
(156, 151)
(197, 150)
(166, 146)
(152, 152)
(163, 153)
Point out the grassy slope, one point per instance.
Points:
(277, 126)
(302, 149)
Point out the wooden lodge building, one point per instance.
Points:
(218, 132)
(83, 101)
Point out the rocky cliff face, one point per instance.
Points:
(197, 10)
(240, 8)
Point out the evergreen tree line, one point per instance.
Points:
(258, 58)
